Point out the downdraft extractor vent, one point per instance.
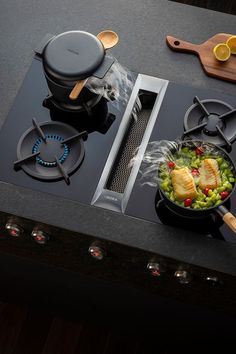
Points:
(121, 169)
(118, 177)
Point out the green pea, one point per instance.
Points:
(201, 204)
(227, 186)
(185, 149)
(219, 160)
(210, 192)
(224, 165)
(163, 174)
(196, 206)
(165, 185)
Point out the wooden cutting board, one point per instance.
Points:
(222, 70)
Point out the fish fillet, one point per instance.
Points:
(209, 174)
(183, 184)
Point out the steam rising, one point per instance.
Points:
(116, 84)
(156, 153)
(162, 151)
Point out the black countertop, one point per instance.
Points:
(142, 26)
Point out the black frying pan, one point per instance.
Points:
(220, 209)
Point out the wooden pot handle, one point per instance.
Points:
(181, 46)
(230, 220)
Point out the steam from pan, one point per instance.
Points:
(162, 151)
(156, 153)
(115, 86)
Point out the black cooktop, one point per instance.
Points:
(81, 184)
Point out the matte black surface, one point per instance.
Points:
(73, 55)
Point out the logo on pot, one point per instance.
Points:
(73, 51)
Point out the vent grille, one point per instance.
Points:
(121, 169)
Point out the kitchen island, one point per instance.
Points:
(142, 27)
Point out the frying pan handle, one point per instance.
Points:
(181, 46)
(228, 218)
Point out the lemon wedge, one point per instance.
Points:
(231, 42)
(222, 52)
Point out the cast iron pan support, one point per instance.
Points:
(222, 117)
(62, 171)
(83, 135)
(28, 160)
(18, 163)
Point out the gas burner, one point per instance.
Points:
(50, 151)
(207, 225)
(211, 120)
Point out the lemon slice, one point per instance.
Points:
(231, 42)
(222, 52)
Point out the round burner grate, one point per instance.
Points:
(207, 115)
(55, 159)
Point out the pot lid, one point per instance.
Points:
(73, 55)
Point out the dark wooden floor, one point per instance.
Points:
(25, 330)
(227, 6)
(28, 330)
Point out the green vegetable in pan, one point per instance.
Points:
(197, 179)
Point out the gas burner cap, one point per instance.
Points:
(50, 150)
(211, 120)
